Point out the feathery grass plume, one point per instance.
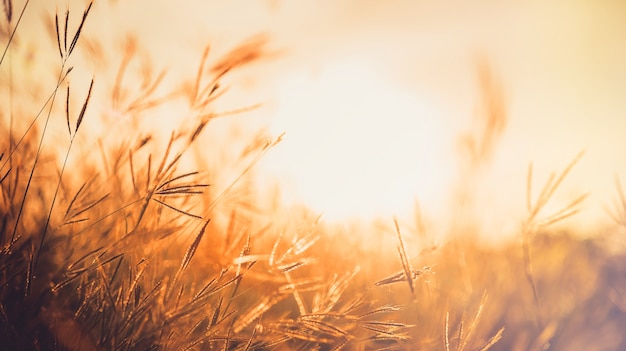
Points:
(67, 18)
(402, 276)
(255, 282)
(406, 265)
(138, 98)
(8, 9)
(83, 204)
(493, 340)
(80, 28)
(464, 337)
(246, 53)
(253, 314)
(84, 108)
(491, 111)
(130, 48)
(56, 191)
(63, 73)
(532, 223)
(268, 145)
(618, 213)
(67, 110)
(191, 251)
(546, 194)
(99, 269)
(325, 301)
(57, 32)
(64, 51)
(192, 94)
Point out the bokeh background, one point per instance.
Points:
(374, 97)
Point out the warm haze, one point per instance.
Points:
(374, 97)
(312, 175)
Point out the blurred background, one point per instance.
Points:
(376, 97)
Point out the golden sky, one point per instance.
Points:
(380, 91)
(373, 94)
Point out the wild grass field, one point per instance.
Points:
(114, 237)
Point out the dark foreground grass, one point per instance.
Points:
(122, 245)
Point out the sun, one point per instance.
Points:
(357, 144)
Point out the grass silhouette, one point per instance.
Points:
(126, 243)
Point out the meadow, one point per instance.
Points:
(118, 235)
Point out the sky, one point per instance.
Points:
(373, 96)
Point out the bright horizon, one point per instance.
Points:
(373, 98)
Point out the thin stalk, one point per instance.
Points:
(19, 20)
(37, 156)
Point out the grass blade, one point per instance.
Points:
(67, 110)
(80, 28)
(56, 27)
(406, 265)
(19, 20)
(192, 249)
(8, 9)
(67, 18)
(82, 111)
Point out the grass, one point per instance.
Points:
(127, 243)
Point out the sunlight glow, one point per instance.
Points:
(374, 99)
(356, 145)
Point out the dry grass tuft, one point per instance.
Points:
(121, 244)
